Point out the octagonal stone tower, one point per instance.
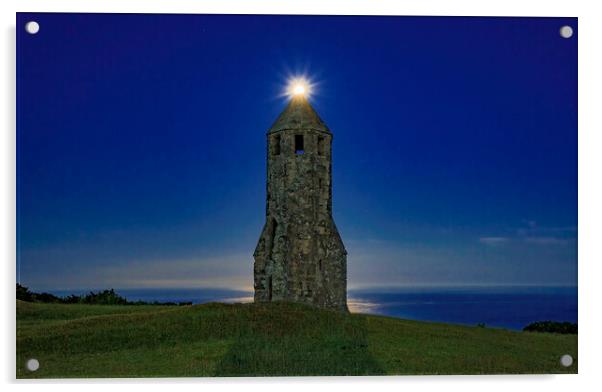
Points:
(300, 256)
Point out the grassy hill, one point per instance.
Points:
(266, 339)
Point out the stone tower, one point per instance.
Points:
(300, 256)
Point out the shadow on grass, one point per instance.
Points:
(285, 340)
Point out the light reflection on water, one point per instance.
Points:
(357, 305)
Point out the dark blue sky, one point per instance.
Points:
(141, 146)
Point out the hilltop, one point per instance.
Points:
(277, 339)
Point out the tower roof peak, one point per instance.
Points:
(299, 114)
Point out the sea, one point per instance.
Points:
(509, 307)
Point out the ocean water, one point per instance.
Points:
(501, 307)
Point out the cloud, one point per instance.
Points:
(547, 240)
(532, 240)
(533, 234)
(532, 229)
(493, 241)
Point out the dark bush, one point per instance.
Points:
(105, 297)
(552, 327)
(24, 294)
(46, 298)
(71, 299)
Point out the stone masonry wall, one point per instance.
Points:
(300, 256)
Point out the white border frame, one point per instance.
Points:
(590, 193)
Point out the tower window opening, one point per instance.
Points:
(320, 145)
(276, 145)
(299, 149)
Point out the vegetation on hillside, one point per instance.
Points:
(276, 339)
(552, 327)
(105, 297)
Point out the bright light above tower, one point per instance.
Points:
(298, 87)
(299, 90)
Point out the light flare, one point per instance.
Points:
(299, 90)
(299, 87)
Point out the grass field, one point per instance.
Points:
(266, 340)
